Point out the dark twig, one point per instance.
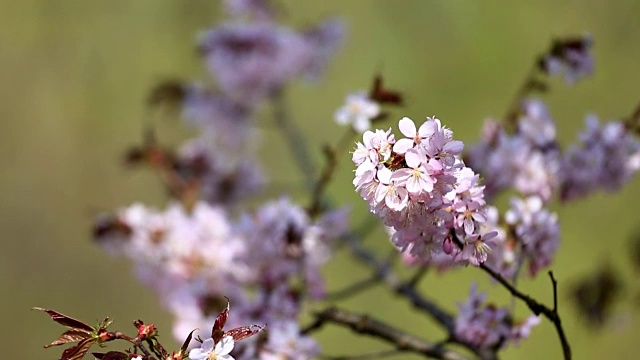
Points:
(384, 272)
(633, 121)
(353, 289)
(364, 324)
(537, 307)
(527, 85)
(331, 164)
(325, 177)
(375, 355)
(555, 291)
(407, 290)
(417, 276)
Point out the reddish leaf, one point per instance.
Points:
(77, 352)
(221, 319)
(243, 332)
(382, 95)
(70, 336)
(66, 320)
(111, 355)
(185, 345)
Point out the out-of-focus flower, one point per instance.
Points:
(286, 342)
(358, 112)
(260, 10)
(488, 326)
(606, 157)
(250, 61)
(537, 231)
(528, 160)
(570, 57)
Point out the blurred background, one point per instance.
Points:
(74, 76)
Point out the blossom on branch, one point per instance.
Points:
(358, 111)
(210, 350)
(488, 326)
(422, 191)
(569, 57)
(606, 157)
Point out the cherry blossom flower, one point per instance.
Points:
(487, 326)
(606, 157)
(413, 137)
(570, 57)
(422, 190)
(211, 351)
(358, 112)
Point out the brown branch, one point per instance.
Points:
(407, 290)
(384, 272)
(364, 324)
(530, 83)
(375, 355)
(316, 206)
(632, 122)
(352, 289)
(331, 164)
(537, 307)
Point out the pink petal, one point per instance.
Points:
(407, 127)
(401, 146)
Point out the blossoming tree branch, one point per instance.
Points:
(217, 263)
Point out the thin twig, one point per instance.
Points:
(526, 86)
(537, 307)
(364, 324)
(375, 355)
(418, 275)
(385, 273)
(353, 289)
(293, 136)
(331, 164)
(317, 195)
(633, 121)
(555, 291)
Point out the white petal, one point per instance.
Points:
(401, 146)
(407, 127)
(384, 175)
(342, 116)
(361, 123)
(207, 345)
(225, 345)
(454, 147)
(198, 354)
(413, 158)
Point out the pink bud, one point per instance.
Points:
(447, 246)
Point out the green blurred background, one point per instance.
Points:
(74, 76)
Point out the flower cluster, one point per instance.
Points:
(534, 238)
(423, 192)
(606, 157)
(528, 160)
(220, 156)
(193, 259)
(487, 326)
(358, 111)
(252, 60)
(570, 57)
